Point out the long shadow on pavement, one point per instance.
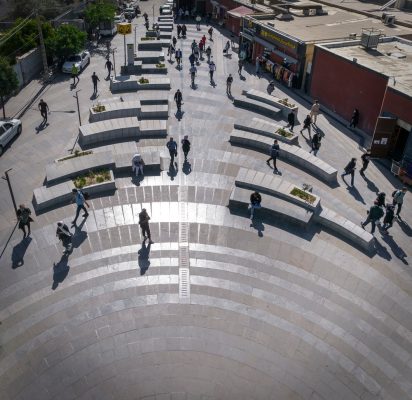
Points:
(17, 255)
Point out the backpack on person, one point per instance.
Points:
(394, 193)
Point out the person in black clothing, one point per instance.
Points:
(350, 170)
(95, 79)
(144, 225)
(255, 200)
(316, 143)
(240, 66)
(44, 110)
(172, 147)
(291, 121)
(229, 82)
(365, 162)
(178, 99)
(109, 66)
(381, 199)
(64, 234)
(355, 118)
(184, 29)
(374, 214)
(389, 216)
(185, 146)
(174, 40)
(192, 60)
(23, 216)
(274, 154)
(179, 30)
(306, 124)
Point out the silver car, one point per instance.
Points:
(8, 130)
(79, 60)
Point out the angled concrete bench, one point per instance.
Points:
(152, 44)
(345, 228)
(271, 100)
(165, 18)
(73, 167)
(149, 57)
(131, 83)
(165, 34)
(282, 209)
(151, 97)
(115, 109)
(268, 129)
(120, 129)
(292, 154)
(258, 107)
(61, 194)
(152, 69)
(154, 111)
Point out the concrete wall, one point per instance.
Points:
(28, 66)
(342, 85)
(398, 104)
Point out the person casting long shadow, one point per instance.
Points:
(143, 258)
(60, 271)
(17, 256)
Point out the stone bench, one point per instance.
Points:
(292, 154)
(61, 194)
(115, 109)
(268, 129)
(73, 167)
(152, 44)
(270, 100)
(151, 97)
(131, 83)
(149, 57)
(258, 107)
(165, 18)
(165, 26)
(282, 209)
(154, 111)
(164, 34)
(152, 69)
(120, 129)
(344, 227)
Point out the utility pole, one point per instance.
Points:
(42, 46)
(6, 178)
(76, 96)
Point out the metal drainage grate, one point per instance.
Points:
(184, 283)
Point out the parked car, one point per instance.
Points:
(80, 60)
(129, 13)
(107, 28)
(8, 130)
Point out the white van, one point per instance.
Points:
(107, 28)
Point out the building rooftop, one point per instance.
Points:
(333, 24)
(392, 58)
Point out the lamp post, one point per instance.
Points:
(114, 61)
(7, 178)
(76, 96)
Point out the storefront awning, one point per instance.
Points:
(264, 43)
(239, 12)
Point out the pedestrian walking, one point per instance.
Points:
(178, 99)
(146, 24)
(184, 30)
(381, 199)
(271, 87)
(24, 218)
(257, 64)
(185, 146)
(192, 60)
(201, 47)
(210, 32)
(240, 66)
(315, 143)
(193, 71)
(137, 164)
(144, 225)
(306, 124)
(178, 57)
(398, 197)
(274, 154)
(388, 219)
(44, 110)
(208, 54)
(226, 48)
(170, 51)
(229, 82)
(109, 66)
(291, 121)
(80, 200)
(374, 214)
(314, 111)
(157, 32)
(95, 79)
(203, 39)
(65, 236)
(212, 69)
(365, 157)
(193, 46)
(179, 30)
(174, 41)
(255, 202)
(197, 55)
(350, 170)
(355, 119)
(75, 74)
(172, 147)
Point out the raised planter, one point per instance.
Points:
(103, 187)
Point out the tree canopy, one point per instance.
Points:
(99, 12)
(65, 41)
(8, 81)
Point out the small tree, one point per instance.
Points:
(8, 81)
(100, 12)
(65, 41)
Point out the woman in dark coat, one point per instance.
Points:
(355, 118)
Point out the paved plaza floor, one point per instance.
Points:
(219, 307)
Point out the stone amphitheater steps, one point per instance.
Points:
(258, 107)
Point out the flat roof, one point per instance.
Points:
(337, 24)
(392, 58)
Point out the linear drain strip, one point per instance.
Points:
(184, 259)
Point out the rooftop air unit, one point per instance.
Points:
(370, 38)
(389, 20)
